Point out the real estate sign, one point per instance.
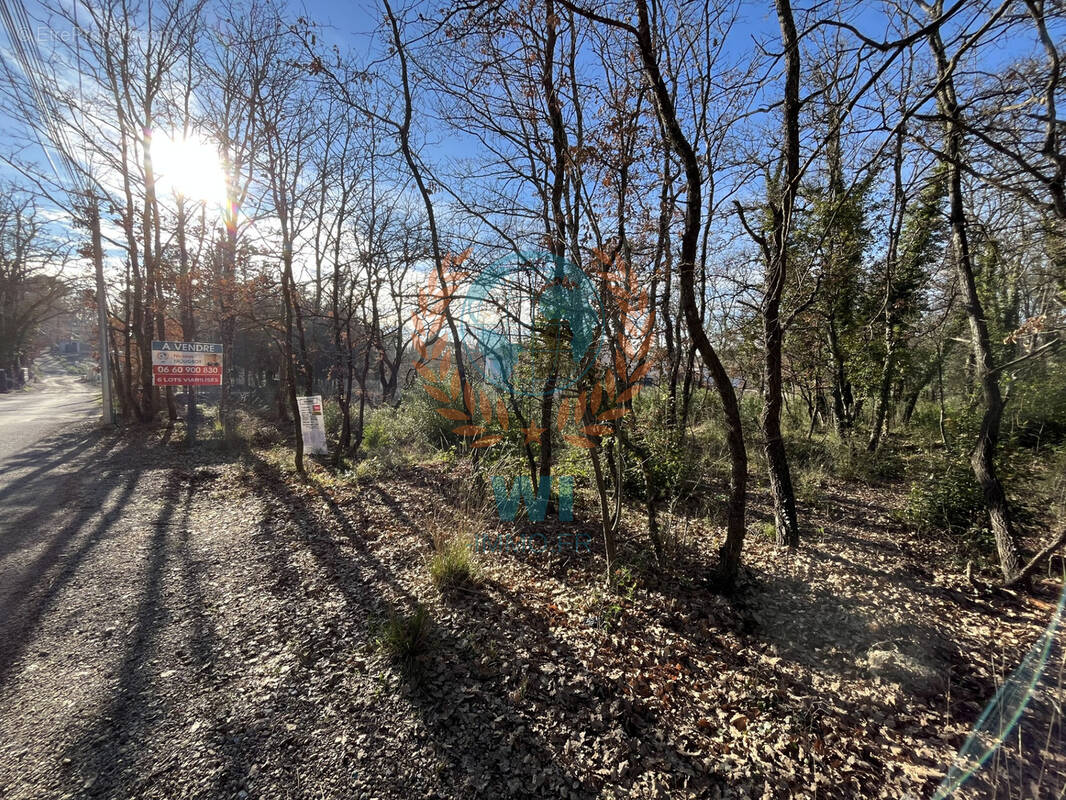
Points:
(186, 364)
(312, 424)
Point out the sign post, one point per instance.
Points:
(186, 364)
(312, 424)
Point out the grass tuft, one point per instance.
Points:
(405, 637)
(452, 567)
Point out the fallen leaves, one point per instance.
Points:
(770, 694)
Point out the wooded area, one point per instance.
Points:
(824, 242)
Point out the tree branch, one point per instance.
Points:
(1036, 561)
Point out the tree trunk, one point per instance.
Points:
(227, 324)
(188, 317)
(785, 519)
(729, 561)
(841, 411)
(888, 366)
(786, 522)
(895, 230)
(280, 397)
(404, 136)
(290, 360)
(557, 228)
(983, 458)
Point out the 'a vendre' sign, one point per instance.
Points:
(186, 364)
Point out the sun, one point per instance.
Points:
(188, 167)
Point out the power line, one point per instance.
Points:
(80, 185)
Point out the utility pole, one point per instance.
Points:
(101, 311)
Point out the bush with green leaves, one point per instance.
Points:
(945, 496)
(1036, 415)
(804, 452)
(414, 425)
(962, 424)
(846, 459)
(672, 469)
(1044, 484)
(810, 483)
(331, 416)
(249, 428)
(572, 461)
(853, 462)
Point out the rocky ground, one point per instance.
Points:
(198, 624)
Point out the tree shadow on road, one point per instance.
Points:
(22, 497)
(29, 590)
(109, 754)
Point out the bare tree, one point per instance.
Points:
(235, 69)
(281, 103)
(983, 458)
(33, 285)
(679, 143)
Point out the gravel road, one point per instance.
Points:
(27, 418)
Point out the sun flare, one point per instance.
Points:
(188, 167)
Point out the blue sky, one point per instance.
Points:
(350, 26)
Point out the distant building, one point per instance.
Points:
(72, 349)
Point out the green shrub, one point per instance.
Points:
(804, 453)
(624, 582)
(603, 609)
(1056, 478)
(810, 482)
(751, 405)
(852, 462)
(925, 421)
(945, 497)
(962, 424)
(846, 459)
(331, 416)
(248, 429)
(674, 469)
(1037, 411)
(396, 436)
(572, 461)
(404, 427)
(261, 400)
(372, 469)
